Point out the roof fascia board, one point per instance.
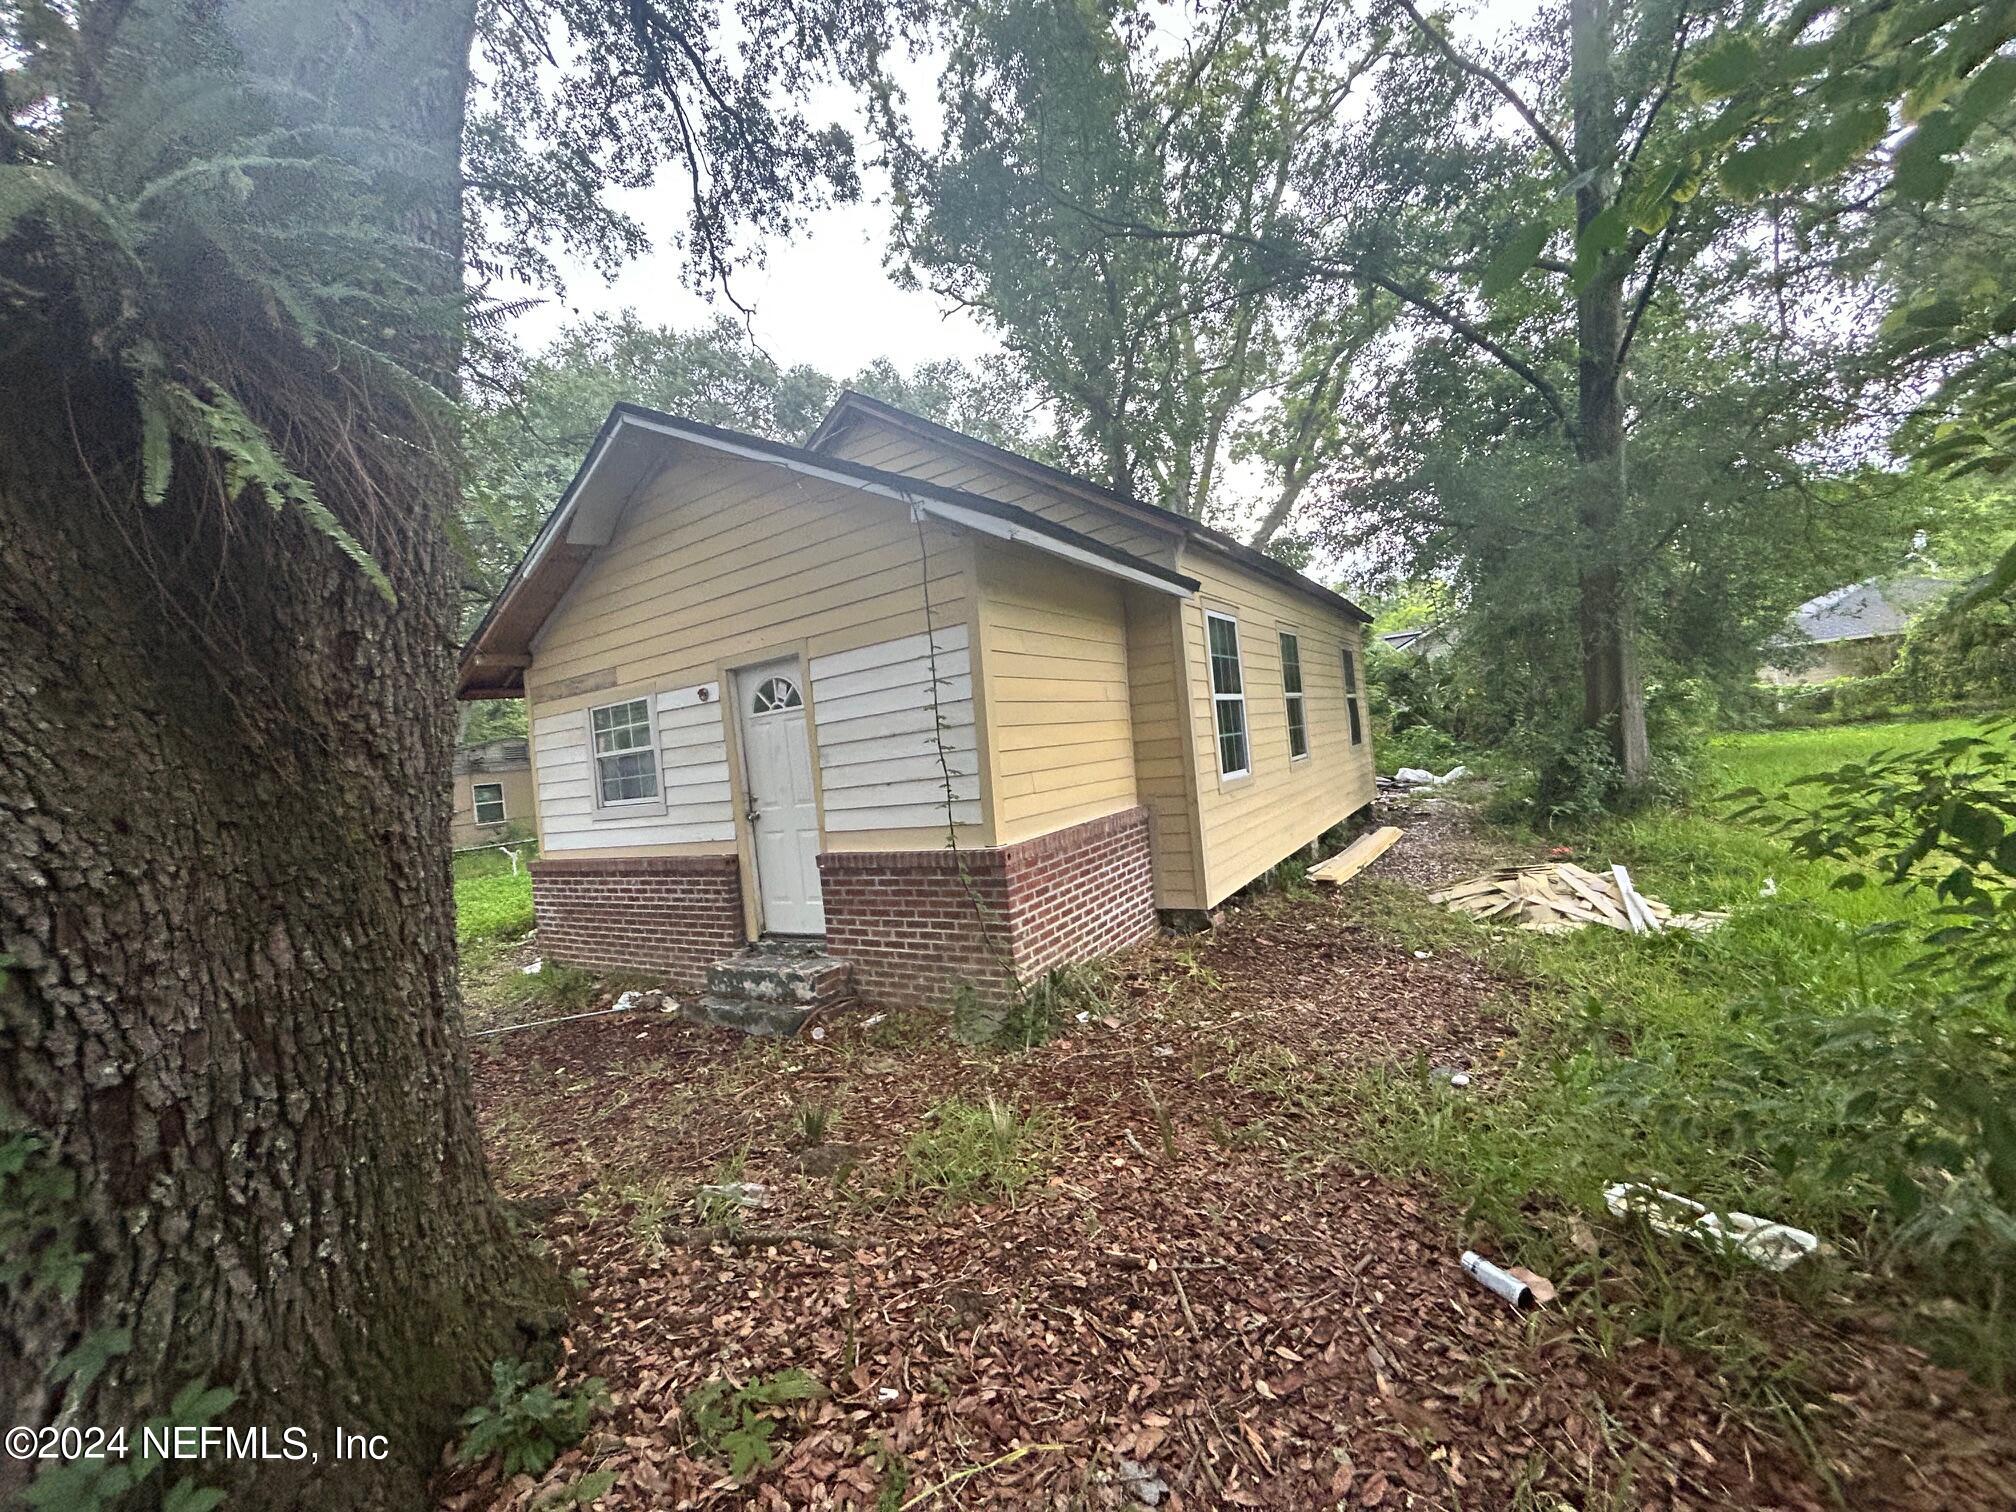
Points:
(1186, 532)
(1001, 530)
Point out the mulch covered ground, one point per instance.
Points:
(1236, 1317)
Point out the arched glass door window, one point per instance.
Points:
(774, 694)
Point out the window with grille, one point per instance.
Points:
(489, 800)
(1228, 695)
(626, 759)
(1291, 691)
(1351, 698)
(775, 693)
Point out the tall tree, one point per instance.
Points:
(237, 1147)
(1177, 373)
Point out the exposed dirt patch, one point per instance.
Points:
(1200, 1282)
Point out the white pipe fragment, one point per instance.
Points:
(1492, 1279)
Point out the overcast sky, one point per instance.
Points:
(822, 296)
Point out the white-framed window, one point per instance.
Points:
(1291, 693)
(623, 745)
(1228, 695)
(1351, 697)
(489, 801)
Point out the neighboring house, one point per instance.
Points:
(1851, 632)
(1429, 642)
(493, 792)
(764, 679)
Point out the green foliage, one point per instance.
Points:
(100, 1485)
(1037, 1012)
(1829, 1057)
(40, 1222)
(739, 1422)
(971, 1152)
(200, 197)
(1073, 135)
(493, 907)
(1963, 653)
(1942, 820)
(812, 1123)
(527, 1425)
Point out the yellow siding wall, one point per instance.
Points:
(1164, 768)
(1054, 657)
(722, 562)
(1252, 822)
(876, 444)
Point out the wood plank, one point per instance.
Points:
(1356, 856)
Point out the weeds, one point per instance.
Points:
(737, 1422)
(1036, 1014)
(812, 1123)
(527, 1426)
(1800, 1063)
(970, 1151)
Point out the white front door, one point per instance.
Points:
(783, 812)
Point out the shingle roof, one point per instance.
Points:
(1862, 611)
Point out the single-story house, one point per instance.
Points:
(493, 792)
(1851, 632)
(956, 714)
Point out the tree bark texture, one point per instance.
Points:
(1613, 693)
(228, 1002)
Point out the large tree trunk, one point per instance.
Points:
(1613, 692)
(230, 1043)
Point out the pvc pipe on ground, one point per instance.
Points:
(1492, 1279)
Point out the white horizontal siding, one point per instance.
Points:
(692, 775)
(881, 730)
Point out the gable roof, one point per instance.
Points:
(853, 404)
(628, 451)
(1863, 611)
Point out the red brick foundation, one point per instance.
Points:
(670, 915)
(913, 927)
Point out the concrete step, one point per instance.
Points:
(786, 978)
(772, 1020)
(773, 987)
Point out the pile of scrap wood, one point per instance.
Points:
(1561, 896)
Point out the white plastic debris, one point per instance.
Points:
(872, 1020)
(1452, 775)
(1084, 1017)
(1493, 1279)
(532, 969)
(1413, 774)
(1143, 1484)
(818, 1031)
(1769, 889)
(750, 1194)
(887, 1393)
(1776, 1246)
(1422, 955)
(626, 1002)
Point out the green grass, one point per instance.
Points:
(1700, 1064)
(1773, 758)
(493, 907)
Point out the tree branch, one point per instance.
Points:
(1497, 81)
